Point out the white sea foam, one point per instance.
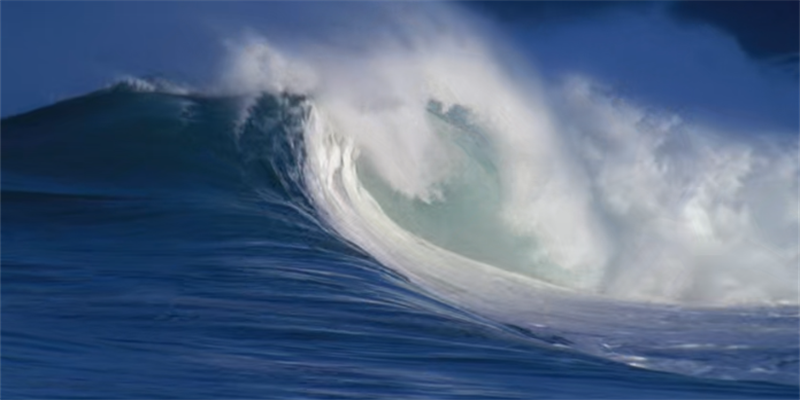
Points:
(153, 85)
(619, 198)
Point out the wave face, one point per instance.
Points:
(174, 179)
(559, 212)
(506, 194)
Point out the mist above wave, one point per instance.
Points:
(599, 191)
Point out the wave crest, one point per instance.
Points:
(586, 190)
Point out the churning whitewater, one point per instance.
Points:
(431, 149)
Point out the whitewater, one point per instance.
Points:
(521, 197)
(525, 201)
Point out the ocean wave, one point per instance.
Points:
(562, 209)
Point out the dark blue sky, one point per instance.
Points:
(52, 50)
(56, 50)
(763, 28)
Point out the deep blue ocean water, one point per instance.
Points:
(162, 242)
(146, 256)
